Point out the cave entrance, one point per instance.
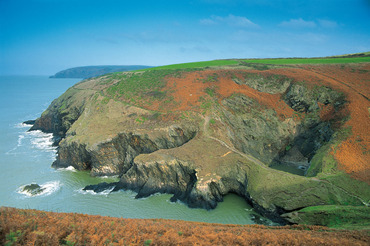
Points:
(296, 157)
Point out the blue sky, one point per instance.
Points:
(46, 36)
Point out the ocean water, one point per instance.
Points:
(26, 158)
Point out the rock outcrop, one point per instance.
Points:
(33, 189)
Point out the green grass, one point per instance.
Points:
(273, 61)
(210, 91)
(12, 237)
(343, 217)
(353, 186)
(145, 83)
(201, 64)
(288, 61)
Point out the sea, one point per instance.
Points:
(26, 158)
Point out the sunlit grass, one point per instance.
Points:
(287, 61)
(272, 61)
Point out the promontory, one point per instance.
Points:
(292, 139)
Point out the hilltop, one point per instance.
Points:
(291, 137)
(93, 71)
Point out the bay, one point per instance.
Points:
(26, 158)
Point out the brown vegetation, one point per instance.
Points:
(32, 227)
(353, 80)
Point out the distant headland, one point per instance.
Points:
(93, 71)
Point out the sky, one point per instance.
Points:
(42, 37)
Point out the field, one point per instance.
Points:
(273, 61)
(288, 61)
(31, 227)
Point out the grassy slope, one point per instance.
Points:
(344, 217)
(31, 227)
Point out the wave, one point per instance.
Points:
(69, 168)
(23, 125)
(38, 140)
(41, 140)
(108, 177)
(46, 189)
(20, 137)
(19, 144)
(91, 192)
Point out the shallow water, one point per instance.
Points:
(26, 158)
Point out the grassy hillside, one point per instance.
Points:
(288, 61)
(31, 227)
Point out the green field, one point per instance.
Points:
(288, 61)
(272, 61)
(197, 64)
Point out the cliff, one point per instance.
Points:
(200, 134)
(94, 71)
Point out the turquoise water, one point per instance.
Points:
(26, 157)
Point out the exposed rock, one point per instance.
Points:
(29, 122)
(33, 189)
(303, 99)
(256, 130)
(101, 187)
(115, 156)
(265, 83)
(295, 157)
(62, 113)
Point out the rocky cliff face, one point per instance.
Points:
(115, 156)
(219, 144)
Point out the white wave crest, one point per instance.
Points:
(20, 137)
(41, 140)
(69, 168)
(23, 125)
(47, 188)
(91, 192)
(19, 144)
(108, 177)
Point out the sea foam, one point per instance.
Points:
(41, 140)
(23, 125)
(91, 192)
(69, 168)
